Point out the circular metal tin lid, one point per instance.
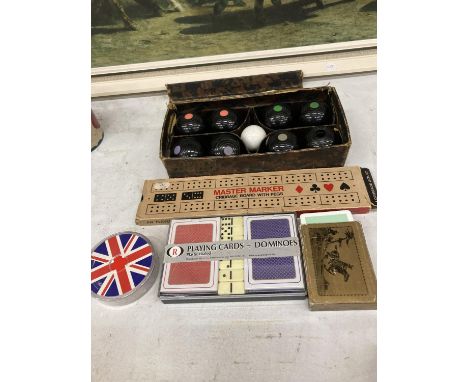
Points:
(122, 268)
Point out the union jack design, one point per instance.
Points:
(119, 264)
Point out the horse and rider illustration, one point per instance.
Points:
(330, 258)
(333, 265)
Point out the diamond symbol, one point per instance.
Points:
(299, 189)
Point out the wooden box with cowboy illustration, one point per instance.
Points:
(252, 124)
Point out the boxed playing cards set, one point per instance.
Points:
(259, 258)
(338, 268)
(250, 124)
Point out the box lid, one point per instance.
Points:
(236, 87)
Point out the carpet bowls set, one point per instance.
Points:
(278, 127)
(266, 122)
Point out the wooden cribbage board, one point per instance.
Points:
(309, 190)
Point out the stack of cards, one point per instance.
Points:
(194, 277)
(338, 267)
(327, 217)
(276, 273)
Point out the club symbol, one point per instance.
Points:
(344, 187)
(315, 188)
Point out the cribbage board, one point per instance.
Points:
(325, 189)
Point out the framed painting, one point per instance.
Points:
(140, 46)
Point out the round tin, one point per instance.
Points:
(123, 268)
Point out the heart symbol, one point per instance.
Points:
(328, 186)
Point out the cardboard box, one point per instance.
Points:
(338, 267)
(277, 275)
(247, 96)
(328, 189)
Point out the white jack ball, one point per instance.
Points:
(252, 136)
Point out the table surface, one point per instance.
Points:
(248, 341)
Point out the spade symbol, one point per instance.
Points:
(344, 187)
(315, 188)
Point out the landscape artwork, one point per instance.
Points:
(127, 32)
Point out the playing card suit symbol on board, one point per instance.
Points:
(328, 186)
(344, 187)
(315, 188)
(299, 189)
